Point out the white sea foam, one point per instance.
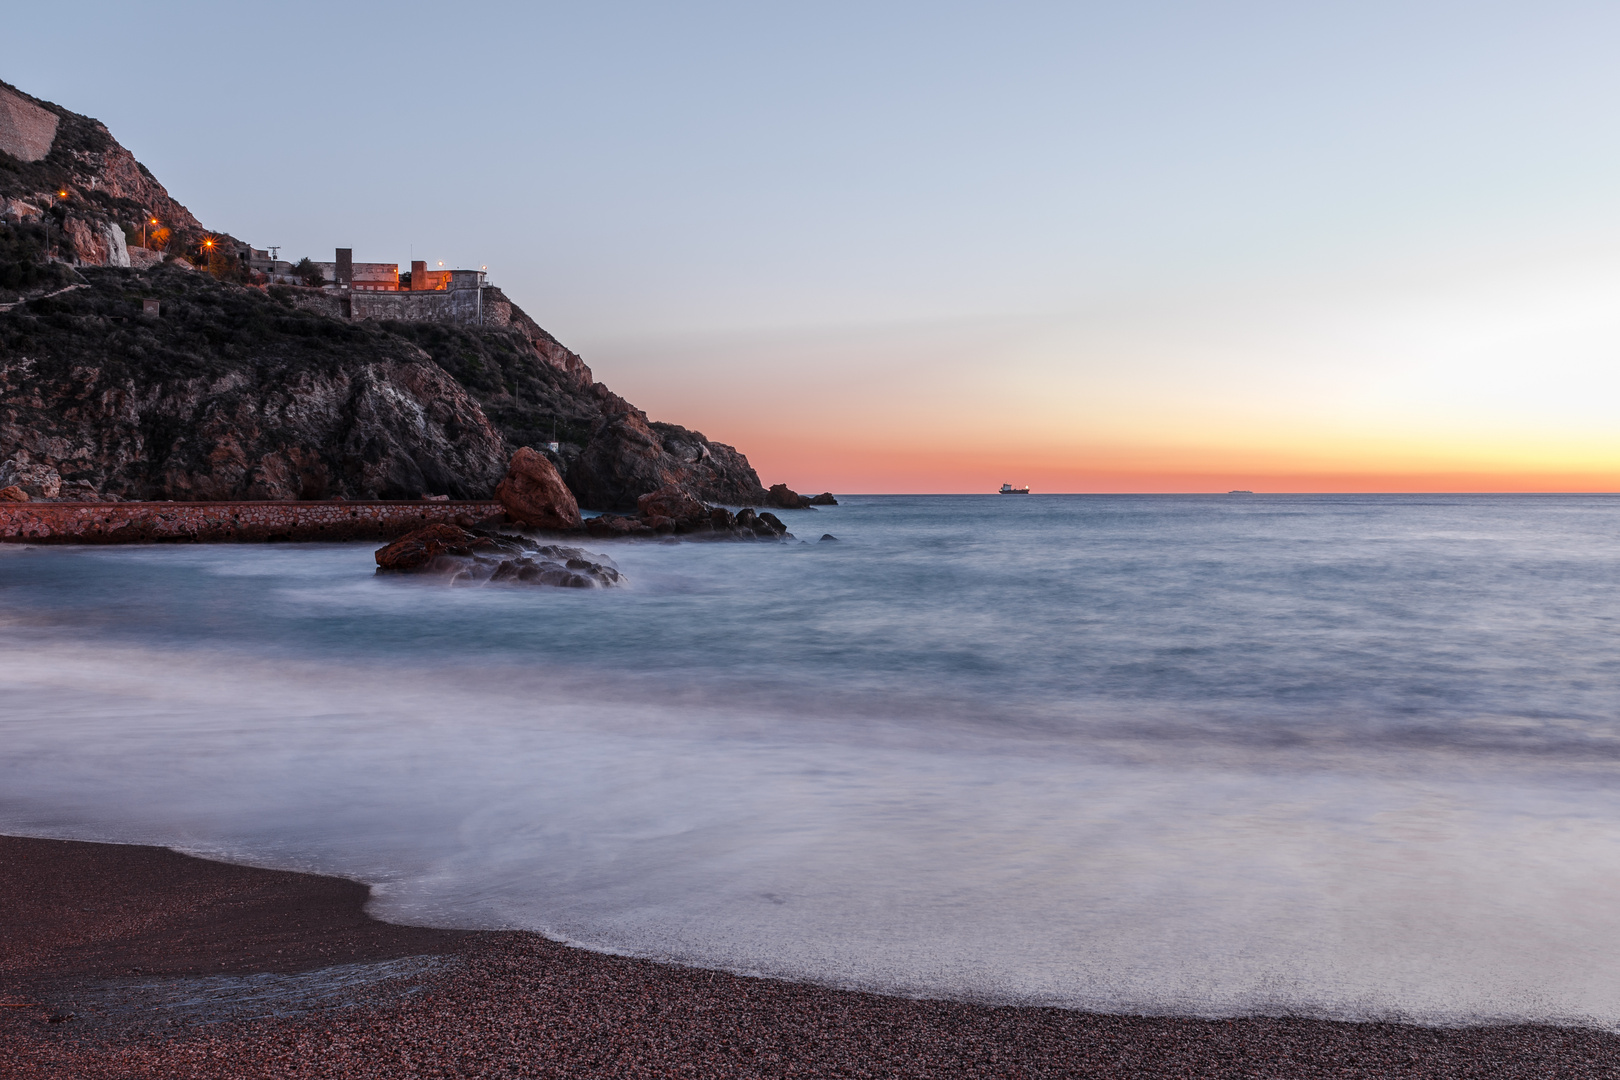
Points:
(1121, 852)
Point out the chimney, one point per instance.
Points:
(345, 267)
(418, 275)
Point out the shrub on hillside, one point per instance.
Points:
(22, 259)
(309, 273)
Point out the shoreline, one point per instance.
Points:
(138, 961)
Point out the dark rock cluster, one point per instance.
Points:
(673, 512)
(785, 498)
(463, 557)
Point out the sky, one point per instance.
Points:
(908, 247)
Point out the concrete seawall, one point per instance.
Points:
(226, 522)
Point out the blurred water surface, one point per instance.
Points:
(1350, 756)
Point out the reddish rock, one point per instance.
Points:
(458, 557)
(785, 498)
(535, 495)
(417, 549)
(13, 494)
(673, 503)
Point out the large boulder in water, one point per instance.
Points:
(674, 503)
(460, 557)
(785, 498)
(416, 549)
(534, 494)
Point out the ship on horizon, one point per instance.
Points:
(1008, 489)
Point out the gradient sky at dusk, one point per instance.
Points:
(933, 247)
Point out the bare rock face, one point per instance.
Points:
(627, 456)
(534, 494)
(36, 481)
(26, 129)
(16, 210)
(285, 406)
(459, 557)
(13, 494)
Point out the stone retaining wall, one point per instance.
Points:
(461, 306)
(225, 522)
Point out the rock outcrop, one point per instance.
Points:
(627, 455)
(785, 498)
(534, 493)
(672, 512)
(34, 481)
(460, 557)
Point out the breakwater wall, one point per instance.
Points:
(228, 522)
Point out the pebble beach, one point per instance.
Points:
(115, 957)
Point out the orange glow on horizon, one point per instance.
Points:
(867, 470)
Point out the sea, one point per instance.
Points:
(1346, 756)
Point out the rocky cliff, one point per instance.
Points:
(229, 391)
(58, 165)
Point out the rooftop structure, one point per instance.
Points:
(356, 290)
(344, 275)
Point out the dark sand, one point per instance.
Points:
(137, 962)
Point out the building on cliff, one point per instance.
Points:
(357, 290)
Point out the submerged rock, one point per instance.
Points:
(461, 557)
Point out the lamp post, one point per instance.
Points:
(61, 193)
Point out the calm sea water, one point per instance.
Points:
(1341, 756)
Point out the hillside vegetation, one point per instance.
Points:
(238, 392)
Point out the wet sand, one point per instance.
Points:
(138, 962)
